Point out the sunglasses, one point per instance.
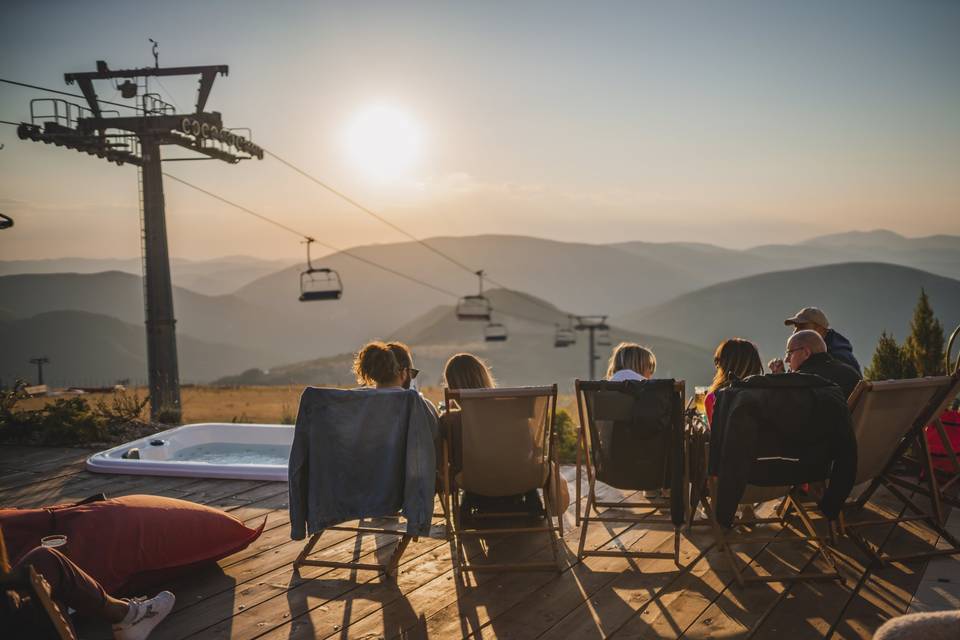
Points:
(413, 372)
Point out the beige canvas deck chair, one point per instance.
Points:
(506, 445)
(631, 438)
(889, 417)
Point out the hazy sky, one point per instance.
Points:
(737, 123)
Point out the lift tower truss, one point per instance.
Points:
(137, 140)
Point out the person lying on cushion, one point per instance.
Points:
(467, 371)
(630, 361)
(70, 586)
(807, 353)
(735, 358)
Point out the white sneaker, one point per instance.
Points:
(143, 616)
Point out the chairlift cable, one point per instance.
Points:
(345, 252)
(369, 212)
(66, 93)
(307, 237)
(398, 228)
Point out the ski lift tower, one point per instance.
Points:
(592, 324)
(137, 140)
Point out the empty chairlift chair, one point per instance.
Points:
(564, 337)
(476, 307)
(632, 438)
(495, 332)
(319, 284)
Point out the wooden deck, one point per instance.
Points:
(255, 594)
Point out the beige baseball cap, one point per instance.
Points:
(809, 315)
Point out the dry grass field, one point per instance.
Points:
(266, 404)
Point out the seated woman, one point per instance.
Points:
(466, 371)
(630, 361)
(71, 587)
(386, 365)
(734, 358)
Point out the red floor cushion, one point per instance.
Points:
(130, 542)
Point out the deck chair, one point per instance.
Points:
(888, 418)
(506, 445)
(57, 623)
(364, 451)
(790, 503)
(631, 438)
(790, 513)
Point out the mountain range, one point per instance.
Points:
(684, 296)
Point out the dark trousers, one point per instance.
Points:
(70, 586)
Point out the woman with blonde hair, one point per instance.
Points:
(735, 358)
(630, 361)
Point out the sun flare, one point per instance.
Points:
(383, 142)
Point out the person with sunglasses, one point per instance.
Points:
(387, 365)
(807, 353)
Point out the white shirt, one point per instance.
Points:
(626, 374)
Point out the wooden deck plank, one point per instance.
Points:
(673, 609)
(255, 593)
(397, 609)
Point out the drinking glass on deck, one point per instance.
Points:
(54, 541)
(700, 393)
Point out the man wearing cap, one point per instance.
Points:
(813, 319)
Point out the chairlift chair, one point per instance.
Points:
(475, 307)
(564, 337)
(603, 337)
(319, 284)
(5, 221)
(495, 332)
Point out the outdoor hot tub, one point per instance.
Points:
(208, 450)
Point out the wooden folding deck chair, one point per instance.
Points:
(365, 525)
(506, 445)
(632, 438)
(790, 505)
(888, 418)
(806, 534)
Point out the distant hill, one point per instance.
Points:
(93, 349)
(528, 357)
(937, 254)
(217, 276)
(221, 319)
(860, 299)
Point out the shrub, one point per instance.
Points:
(890, 361)
(925, 343)
(566, 430)
(70, 421)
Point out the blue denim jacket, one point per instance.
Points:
(361, 453)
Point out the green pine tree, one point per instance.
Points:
(924, 345)
(890, 361)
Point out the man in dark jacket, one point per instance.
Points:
(807, 353)
(813, 319)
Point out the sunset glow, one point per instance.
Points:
(383, 142)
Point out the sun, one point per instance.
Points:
(383, 142)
